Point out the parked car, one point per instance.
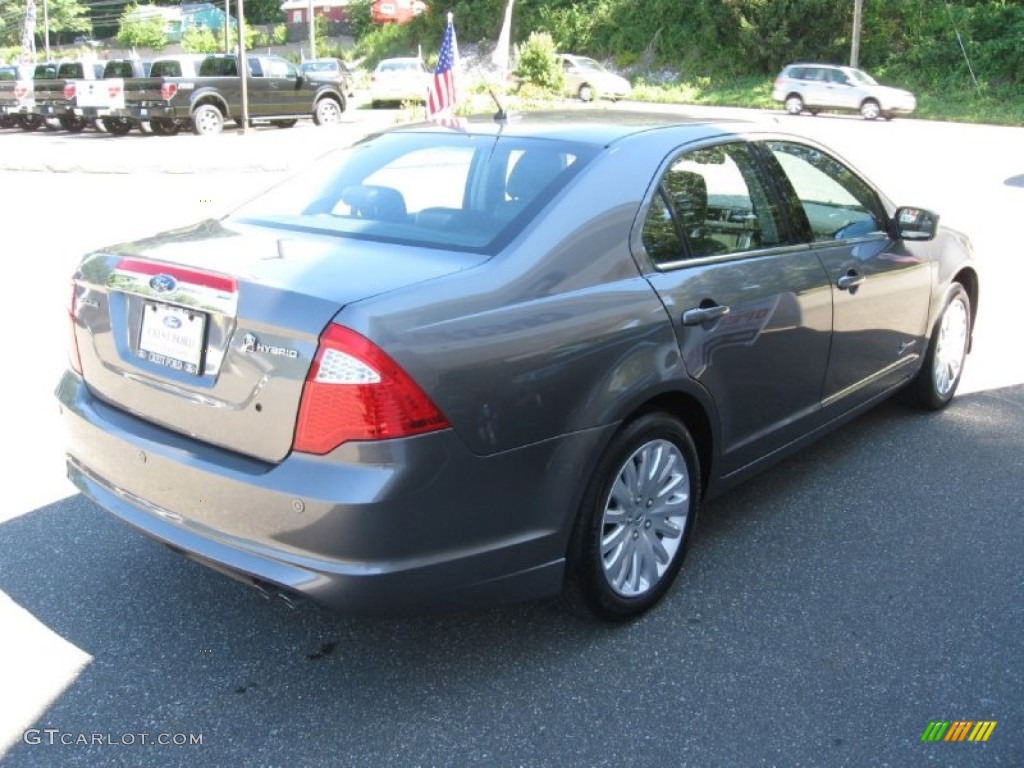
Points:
(817, 87)
(396, 80)
(508, 361)
(329, 71)
(589, 80)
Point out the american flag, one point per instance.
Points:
(442, 95)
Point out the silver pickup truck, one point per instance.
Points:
(17, 94)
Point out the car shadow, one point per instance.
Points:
(1015, 181)
(178, 648)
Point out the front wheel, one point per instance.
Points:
(207, 120)
(327, 112)
(870, 110)
(943, 366)
(635, 520)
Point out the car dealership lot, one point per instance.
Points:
(828, 611)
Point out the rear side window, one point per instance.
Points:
(711, 202)
(456, 191)
(168, 68)
(217, 66)
(836, 203)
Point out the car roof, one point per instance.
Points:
(592, 126)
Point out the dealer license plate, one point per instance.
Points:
(173, 337)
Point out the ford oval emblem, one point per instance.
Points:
(163, 283)
(172, 322)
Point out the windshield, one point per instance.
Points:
(455, 190)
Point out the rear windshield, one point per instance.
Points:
(8, 73)
(118, 69)
(455, 191)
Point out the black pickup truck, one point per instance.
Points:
(53, 96)
(277, 92)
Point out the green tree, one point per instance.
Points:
(67, 18)
(201, 40)
(142, 27)
(537, 63)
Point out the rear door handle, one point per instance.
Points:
(850, 280)
(700, 315)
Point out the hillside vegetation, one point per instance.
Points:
(963, 55)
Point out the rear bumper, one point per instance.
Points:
(158, 111)
(400, 526)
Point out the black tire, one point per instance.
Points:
(870, 109)
(586, 92)
(328, 111)
(117, 126)
(284, 123)
(207, 120)
(939, 377)
(73, 123)
(794, 104)
(163, 126)
(6, 121)
(29, 122)
(614, 571)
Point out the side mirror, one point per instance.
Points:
(915, 223)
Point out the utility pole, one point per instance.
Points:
(243, 68)
(227, 26)
(858, 13)
(46, 28)
(312, 32)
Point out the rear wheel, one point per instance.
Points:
(207, 120)
(73, 123)
(939, 377)
(118, 126)
(327, 112)
(634, 521)
(870, 110)
(794, 104)
(30, 122)
(163, 126)
(284, 123)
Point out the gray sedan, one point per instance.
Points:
(500, 362)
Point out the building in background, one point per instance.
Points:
(396, 11)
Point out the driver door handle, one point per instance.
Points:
(700, 315)
(850, 280)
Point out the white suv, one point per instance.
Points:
(814, 87)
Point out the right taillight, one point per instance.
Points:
(167, 91)
(355, 391)
(73, 356)
(69, 91)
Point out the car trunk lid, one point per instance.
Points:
(210, 330)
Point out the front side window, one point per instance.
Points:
(711, 202)
(836, 202)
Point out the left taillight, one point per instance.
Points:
(74, 358)
(355, 391)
